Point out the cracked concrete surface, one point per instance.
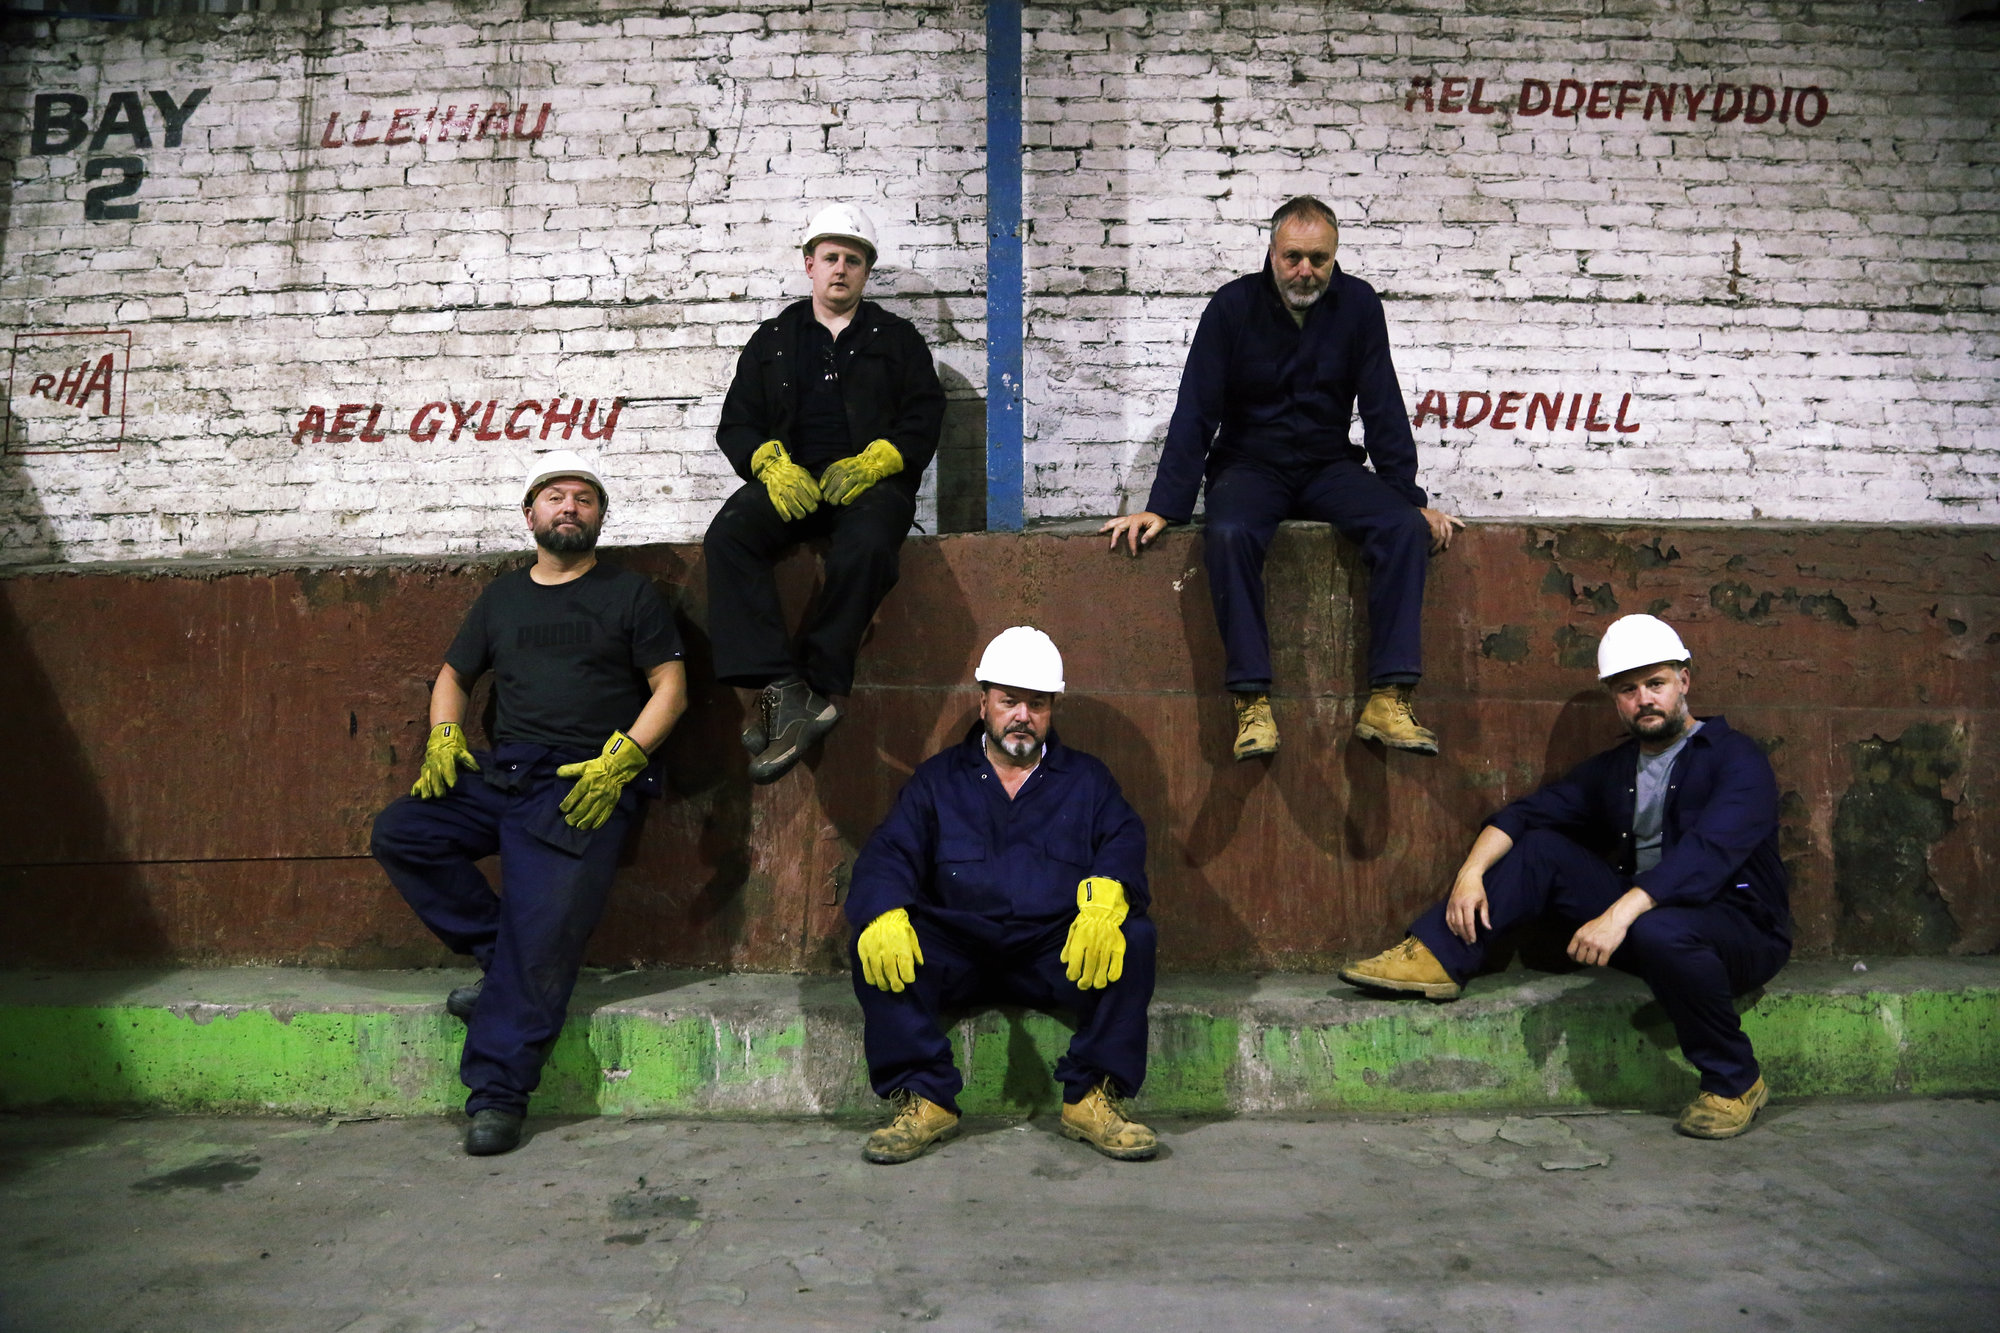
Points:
(1826, 1216)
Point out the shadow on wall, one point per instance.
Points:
(961, 457)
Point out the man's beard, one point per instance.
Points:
(567, 541)
(1016, 744)
(1302, 297)
(1669, 730)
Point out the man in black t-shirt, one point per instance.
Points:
(579, 651)
(831, 420)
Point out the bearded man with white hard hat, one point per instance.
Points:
(1662, 852)
(832, 417)
(587, 681)
(1010, 871)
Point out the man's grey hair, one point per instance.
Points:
(1303, 206)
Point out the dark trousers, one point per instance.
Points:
(530, 942)
(1696, 958)
(1005, 963)
(745, 621)
(1247, 501)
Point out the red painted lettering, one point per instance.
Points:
(1696, 96)
(541, 121)
(315, 421)
(610, 420)
(495, 113)
(1624, 403)
(1574, 404)
(1462, 421)
(71, 388)
(1715, 112)
(1628, 96)
(1661, 95)
(1419, 87)
(359, 126)
(1448, 94)
(1819, 102)
(1509, 404)
(1590, 421)
(516, 431)
(1785, 110)
(1550, 408)
(100, 384)
(429, 116)
(1476, 106)
(1433, 405)
(1599, 106)
(399, 121)
(422, 429)
(1534, 97)
(40, 388)
(369, 435)
(1568, 89)
(1759, 104)
(342, 429)
(486, 431)
(460, 418)
(326, 139)
(551, 417)
(464, 132)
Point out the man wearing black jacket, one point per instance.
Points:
(1661, 852)
(831, 420)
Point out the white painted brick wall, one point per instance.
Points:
(1807, 319)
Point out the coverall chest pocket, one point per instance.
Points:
(1066, 842)
(966, 875)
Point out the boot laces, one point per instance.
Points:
(767, 709)
(1408, 948)
(1112, 1099)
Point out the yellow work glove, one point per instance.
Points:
(794, 493)
(598, 781)
(889, 951)
(443, 753)
(1095, 950)
(845, 479)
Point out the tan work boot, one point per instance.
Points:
(1410, 966)
(919, 1123)
(1099, 1121)
(1256, 729)
(1711, 1117)
(1388, 719)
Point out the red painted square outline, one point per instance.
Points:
(124, 386)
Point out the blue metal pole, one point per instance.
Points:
(1004, 287)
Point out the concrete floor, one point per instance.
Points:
(1829, 1216)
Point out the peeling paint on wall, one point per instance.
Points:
(1884, 829)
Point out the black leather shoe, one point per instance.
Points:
(493, 1132)
(464, 999)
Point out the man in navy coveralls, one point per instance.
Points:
(1279, 363)
(1011, 870)
(588, 679)
(1662, 852)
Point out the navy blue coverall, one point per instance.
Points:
(1723, 923)
(1264, 412)
(990, 886)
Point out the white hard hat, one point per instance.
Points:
(1637, 641)
(1024, 658)
(562, 463)
(844, 222)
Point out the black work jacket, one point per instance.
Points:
(1721, 831)
(888, 384)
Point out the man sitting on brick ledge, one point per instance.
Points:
(1277, 365)
(578, 650)
(1663, 851)
(963, 896)
(831, 420)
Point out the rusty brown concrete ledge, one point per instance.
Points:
(210, 739)
(308, 1041)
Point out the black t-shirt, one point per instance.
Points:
(820, 435)
(569, 660)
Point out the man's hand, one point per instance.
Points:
(444, 753)
(793, 492)
(1597, 939)
(846, 478)
(1442, 525)
(600, 780)
(1139, 529)
(1095, 950)
(889, 951)
(1466, 910)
